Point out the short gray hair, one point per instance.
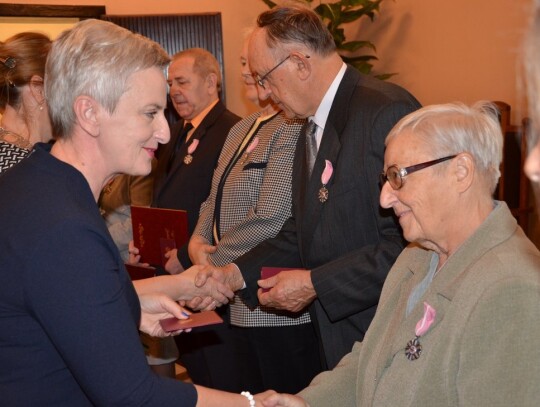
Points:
(296, 24)
(94, 58)
(204, 63)
(455, 128)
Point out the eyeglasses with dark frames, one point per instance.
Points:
(395, 175)
(261, 79)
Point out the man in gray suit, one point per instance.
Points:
(338, 239)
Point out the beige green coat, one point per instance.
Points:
(483, 348)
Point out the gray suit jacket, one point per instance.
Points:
(348, 242)
(483, 348)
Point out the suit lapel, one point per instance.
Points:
(199, 133)
(329, 150)
(164, 157)
(398, 331)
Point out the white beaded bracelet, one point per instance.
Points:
(249, 396)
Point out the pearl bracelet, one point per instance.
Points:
(249, 396)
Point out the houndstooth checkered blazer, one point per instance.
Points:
(255, 202)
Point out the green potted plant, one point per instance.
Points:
(334, 15)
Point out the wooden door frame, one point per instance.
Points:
(50, 11)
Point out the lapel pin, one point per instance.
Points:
(413, 350)
(191, 149)
(325, 177)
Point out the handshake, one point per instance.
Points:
(206, 286)
(200, 287)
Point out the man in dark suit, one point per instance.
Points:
(186, 164)
(338, 238)
(184, 175)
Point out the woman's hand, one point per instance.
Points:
(155, 307)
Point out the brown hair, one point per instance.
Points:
(21, 56)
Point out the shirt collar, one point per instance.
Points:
(197, 120)
(321, 115)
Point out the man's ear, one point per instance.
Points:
(86, 114)
(211, 81)
(464, 171)
(302, 64)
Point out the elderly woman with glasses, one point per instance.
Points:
(457, 323)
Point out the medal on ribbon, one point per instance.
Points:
(249, 149)
(325, 177)
(191, 149)
(413, 350)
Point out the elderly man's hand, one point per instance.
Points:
(134, 256)
(199, 250)
(229, 275)
(290, 290)
(173, 265)
(213, 293)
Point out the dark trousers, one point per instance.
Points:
(206, 354)
(284, 359)
(235, 359)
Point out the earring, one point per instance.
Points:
(40, 107)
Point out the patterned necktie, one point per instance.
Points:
(179, 141)
(311, 145)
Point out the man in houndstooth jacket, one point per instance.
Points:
(249, 201)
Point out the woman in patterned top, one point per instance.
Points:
(25, 120)
(249, 202)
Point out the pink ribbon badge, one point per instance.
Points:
(252, 145)
(193, 146)
(327, 173)
(413, 350)
(423, 325)
(325, 177)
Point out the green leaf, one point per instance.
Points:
(353, 15)
(331, 12)
(343, 12)
(364, 67)
(367, 4)
(356, 45)
(339, 36)
(359, 58)
(269, 3)
(385, 76)
(363, 3)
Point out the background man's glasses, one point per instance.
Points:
(395, 175)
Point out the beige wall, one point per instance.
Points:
(443, 50)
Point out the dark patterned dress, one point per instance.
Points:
(10, 155)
